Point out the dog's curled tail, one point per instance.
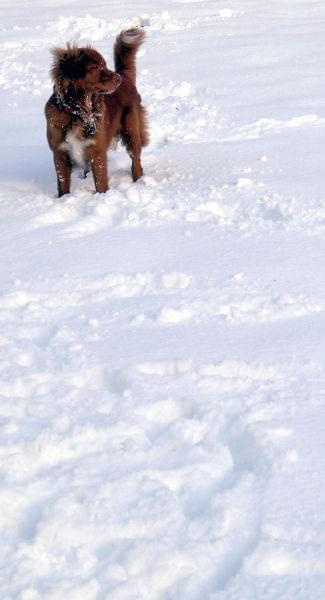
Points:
(125, 49)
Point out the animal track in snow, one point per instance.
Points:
(238, 301)
(184, 445)
(31, 296)
(266, 126)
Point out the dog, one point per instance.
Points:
(91, 105)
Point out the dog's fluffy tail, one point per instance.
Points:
(125, 49)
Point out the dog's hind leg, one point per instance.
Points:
(131, 138)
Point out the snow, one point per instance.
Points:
(162, 367)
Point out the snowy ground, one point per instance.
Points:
(162, 346)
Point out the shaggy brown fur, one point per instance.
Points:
(91, 105)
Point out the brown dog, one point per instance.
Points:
(91, 105)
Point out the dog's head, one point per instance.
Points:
(83, 68)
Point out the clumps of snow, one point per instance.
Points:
(225, 13)
(145, 20)
(183, 90)
(165, 367)
(174, 315)
(218, 209)
(81, 28)
(244, 182)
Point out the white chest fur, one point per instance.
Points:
(76, 146)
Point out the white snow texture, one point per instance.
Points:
(162, 356)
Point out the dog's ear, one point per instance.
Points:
(73, 66)
(69, 64)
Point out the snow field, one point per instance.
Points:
(180, 475)
(161, 345)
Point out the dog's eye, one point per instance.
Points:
(94, 67)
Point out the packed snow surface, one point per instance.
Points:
(162, 350)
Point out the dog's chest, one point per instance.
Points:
(76, 145)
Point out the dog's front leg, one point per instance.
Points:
(63, 168)
(98, 164)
